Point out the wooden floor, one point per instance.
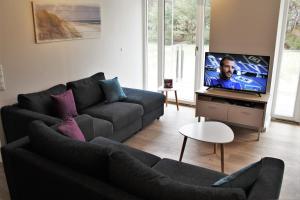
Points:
(161, 138)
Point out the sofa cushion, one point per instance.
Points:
(87, 92)
(92, 127)
(70, 129)
(87, 158)
(112, 90)
(120, 114)
(41, 102)
(131, 175)
(65, 105)
(149, 100)
(244, 178)
(186, 173)
(146, 158)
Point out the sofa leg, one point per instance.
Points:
(158, 118)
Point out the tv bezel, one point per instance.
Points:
(237, 90)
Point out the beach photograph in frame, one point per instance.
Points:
(66, 20)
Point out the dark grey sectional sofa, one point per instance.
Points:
(118, 120)
(47, 165)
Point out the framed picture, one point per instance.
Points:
(66, 20)
(168, 83)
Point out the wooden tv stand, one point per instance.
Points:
(246, 110)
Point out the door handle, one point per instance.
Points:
(196, 50)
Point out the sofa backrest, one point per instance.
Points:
(134, 177)
(87, 158)
(41, 102)
(33, 176)
(87, 91)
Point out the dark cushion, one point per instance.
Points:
(87, 92)
(41, 102)
(136, 178)
(70, 129)
(92, 127)
(244, 178)
(146, 158)
(112, 90)
(65, 105)
(120, 114)
(149, 100)
(87, 158)
(186, 173)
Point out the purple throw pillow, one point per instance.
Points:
(65, 104)
(70, 128)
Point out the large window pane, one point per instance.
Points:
(207, 25)
(290, 66)
(152, 57)
(180, 44)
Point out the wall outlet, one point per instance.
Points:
(2, 82)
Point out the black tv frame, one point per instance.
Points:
(229, 89)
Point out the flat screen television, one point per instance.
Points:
(239, 72)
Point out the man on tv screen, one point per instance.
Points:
(225, 79)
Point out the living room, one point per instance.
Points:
(130, 99)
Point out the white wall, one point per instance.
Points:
(30, 67)
(249, 27)
(245, 26)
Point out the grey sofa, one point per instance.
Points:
(117, 121)
(47, 165)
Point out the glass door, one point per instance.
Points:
(152, 37)
(175, 44)
(180, 37)
(287, 89)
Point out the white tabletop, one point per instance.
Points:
(161, 88)
(212, 132)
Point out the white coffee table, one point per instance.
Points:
(211, 132)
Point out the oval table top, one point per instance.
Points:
(212, 132)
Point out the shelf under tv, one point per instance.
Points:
(242, 109)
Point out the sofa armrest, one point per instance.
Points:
(268, 184)
(16, 121)
(134, 92)
(146, 98)
(7, 160)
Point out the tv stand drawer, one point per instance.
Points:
(247, 116)
(213, 110)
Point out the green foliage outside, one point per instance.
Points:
(292, 40)
(184, 21)
(152, 20)
(180, 25)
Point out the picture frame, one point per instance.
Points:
(66, 20)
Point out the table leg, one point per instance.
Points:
(199, 119)
(176, 100)
(258, 137)
(166, 98)
(215, 148)
(182, 148)
(222, 157)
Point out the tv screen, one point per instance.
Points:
(236, 72)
